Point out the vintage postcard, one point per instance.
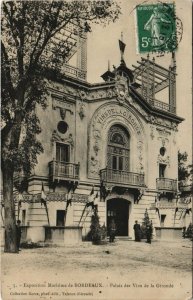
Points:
(96, 197)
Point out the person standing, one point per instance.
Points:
(112, 231)
(137, 231)
(149, 233)
(18, 233)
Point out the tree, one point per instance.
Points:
(184, 170)
(31, 44)
(96, 230)
(145, 223)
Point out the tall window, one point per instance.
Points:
(162, 170)
(118, 156)
(163, 217)
(62, 152)
(60, 215)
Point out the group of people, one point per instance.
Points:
(188, 232)
(138, 231)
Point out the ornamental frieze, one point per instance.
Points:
(63, 104)
(162, 122)
(163, 132)
(56, 137)
(95, 94)
(61, 197)
(169, 206)
(152, 131)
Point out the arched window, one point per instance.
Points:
(118, 150)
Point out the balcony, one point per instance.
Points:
(166, 184)
(74, 72)
(162, 105)
(63, 171)
(122, 178)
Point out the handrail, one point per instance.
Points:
(122, 177)
(166, 184)
(63, 170)
(75, 72)
(162, 105)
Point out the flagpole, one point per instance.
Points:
(122, 47)
(87, 204)
(68, 202)
(2, 214)
(47, 213)
(122, 58)
(43, 200)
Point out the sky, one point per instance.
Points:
(103, 46)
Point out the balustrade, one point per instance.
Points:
(122, 177)
(166, 184)
(63, 170)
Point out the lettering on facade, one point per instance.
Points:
(110, 112)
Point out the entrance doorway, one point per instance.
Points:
(118, 209)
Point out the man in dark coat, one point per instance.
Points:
(112, 231)
(149, 230)
(137, 231)
(18, 233)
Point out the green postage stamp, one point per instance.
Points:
(156, 27)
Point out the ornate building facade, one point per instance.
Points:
(110, 144)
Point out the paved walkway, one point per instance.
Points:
(122, 270)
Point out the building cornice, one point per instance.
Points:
(88, 87)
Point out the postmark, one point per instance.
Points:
(158, 28)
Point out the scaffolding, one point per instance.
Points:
(152, 78)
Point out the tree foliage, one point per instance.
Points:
(97, 232)
(145, 223)
(36, 36)
(31, 43)
(184, 170)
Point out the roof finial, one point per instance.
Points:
(121, 36)
(122, 48)
(108, 65)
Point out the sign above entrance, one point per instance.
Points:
(107, 112)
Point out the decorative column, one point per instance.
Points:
(148, 83)
(172, 85)
(153, 81)
(82, 54)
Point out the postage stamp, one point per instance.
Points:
(156, 27)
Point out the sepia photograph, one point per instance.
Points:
(96, 150)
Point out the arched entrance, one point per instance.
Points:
(118, 209)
